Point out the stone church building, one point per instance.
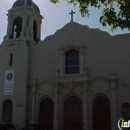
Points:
(76, 79)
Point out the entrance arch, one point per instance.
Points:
(46, 113)
(126, 110)
(101, 113)
(72, 113)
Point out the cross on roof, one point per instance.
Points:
(72, 13)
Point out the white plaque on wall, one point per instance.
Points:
(9, 82)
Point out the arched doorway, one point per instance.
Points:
(101, 113)
(72, 113)
(126, 110)
(7, 111)
(46, 113)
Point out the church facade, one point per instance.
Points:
(76, 79)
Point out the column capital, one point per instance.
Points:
(85, 72)
(113, 76)
(56, 86)
(113, 80)
(84, 85)
(57, 75)
(81, 49)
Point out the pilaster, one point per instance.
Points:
(56, 107)
(24, 25)
(85, 106)
(9, 25)
(85, 101)
(33, 121)
(113, 102)
(61, 62)
(31, 25)
(81, 62)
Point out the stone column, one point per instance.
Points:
(113, 102)
(9, 26)
(62, 67)
(56, 108)
(31, 26)
(23, 25)
(39, 22)
(33, 121)
(81, 61)
(85, 106)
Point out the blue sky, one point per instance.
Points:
(55, 17)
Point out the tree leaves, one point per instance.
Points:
(115, 13)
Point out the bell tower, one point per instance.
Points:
(24, 21)
(23, 32)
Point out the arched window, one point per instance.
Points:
(126, 110)
(72, 62)
(7, 111)
(17, 28)
(35, 31)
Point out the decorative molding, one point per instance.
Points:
(99, 78)
(72, 83)
(43, 82)
(12, 44)
(19, 105)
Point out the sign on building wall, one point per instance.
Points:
(9, 82)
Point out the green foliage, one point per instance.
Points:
(6, 126)
(115, 13)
